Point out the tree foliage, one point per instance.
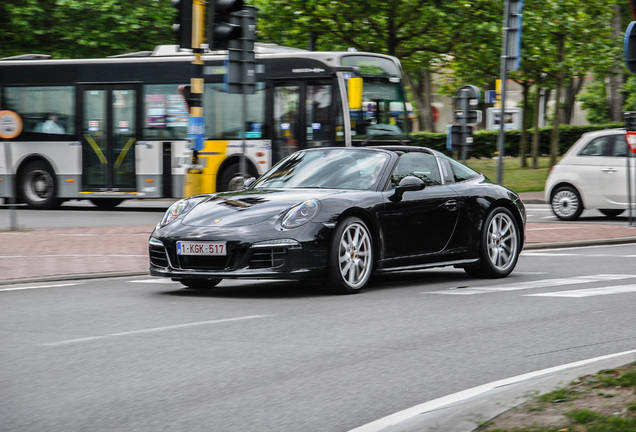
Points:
(83, 28)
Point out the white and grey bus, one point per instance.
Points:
(116, 128)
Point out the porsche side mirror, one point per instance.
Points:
(249, 182)
(407, 184)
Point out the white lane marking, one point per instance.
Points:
(153, 330)
(590, 292)
(551, 254)
(543, 283)
(37, 287)
(417, 410)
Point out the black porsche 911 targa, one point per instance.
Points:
(340, 214)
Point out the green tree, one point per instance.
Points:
(418, 32)
(83, 28)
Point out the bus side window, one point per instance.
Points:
(223, 113)
(44, 110)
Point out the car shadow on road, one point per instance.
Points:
(293, 289)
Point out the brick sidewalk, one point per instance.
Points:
(53, 252)
(50, 253)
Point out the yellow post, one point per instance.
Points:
(498, 91)
(194, 180)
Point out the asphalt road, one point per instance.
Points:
(78, 214)
(141, 354)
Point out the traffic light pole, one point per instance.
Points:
(197, 120)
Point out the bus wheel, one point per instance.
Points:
(106, 203)
(37, 186)
(231, 179)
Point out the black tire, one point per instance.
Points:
(611, 213)
(231, 179)
(37, 186)
(350, 260)
(200, 284)
(500, 245)
(566, 203)
(106, 203)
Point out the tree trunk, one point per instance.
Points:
(615, 98)
(421, 92)
(536, 135)
(523, 142)
(573, 89)
(427, 85)
(554, 141)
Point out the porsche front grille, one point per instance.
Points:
(268, 257)
(158, 257)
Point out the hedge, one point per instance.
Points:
(485, 141)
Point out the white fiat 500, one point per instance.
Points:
(591, 175)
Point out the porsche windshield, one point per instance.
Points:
(328, 169)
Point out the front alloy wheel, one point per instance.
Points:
(351, 256)
(500, 245)
(566, 203)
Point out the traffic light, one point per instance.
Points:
(183, 27)
(630, 120)
(512, 27)
(221, 27)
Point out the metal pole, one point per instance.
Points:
(13, 217)
(502, 134)
(244, 130)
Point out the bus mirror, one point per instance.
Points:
(355, 93)
(186, 93)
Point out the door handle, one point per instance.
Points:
(451, 205)
(609, 170)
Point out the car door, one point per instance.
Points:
(613, 176)
(422, 222)
(590, 172)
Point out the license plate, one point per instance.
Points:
(201, 248)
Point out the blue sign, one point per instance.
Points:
(491, 96)
(196, 132)
(629, 47)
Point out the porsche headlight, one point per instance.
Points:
(301, 214)
(174, 211)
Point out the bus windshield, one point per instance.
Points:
(383, 112)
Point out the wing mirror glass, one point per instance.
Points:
(249, 182)
(407, 184)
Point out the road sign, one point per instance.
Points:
(469, 117)
(491, 96)
(630, 136)
(629, 47)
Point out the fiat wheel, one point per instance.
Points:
(566, 203)
(350, 256)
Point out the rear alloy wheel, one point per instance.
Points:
(37, 186)
(200, 284)
(566, 203)
(350, 256)
(500, 245)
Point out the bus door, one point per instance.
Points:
(109, 132)
(303, 115)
